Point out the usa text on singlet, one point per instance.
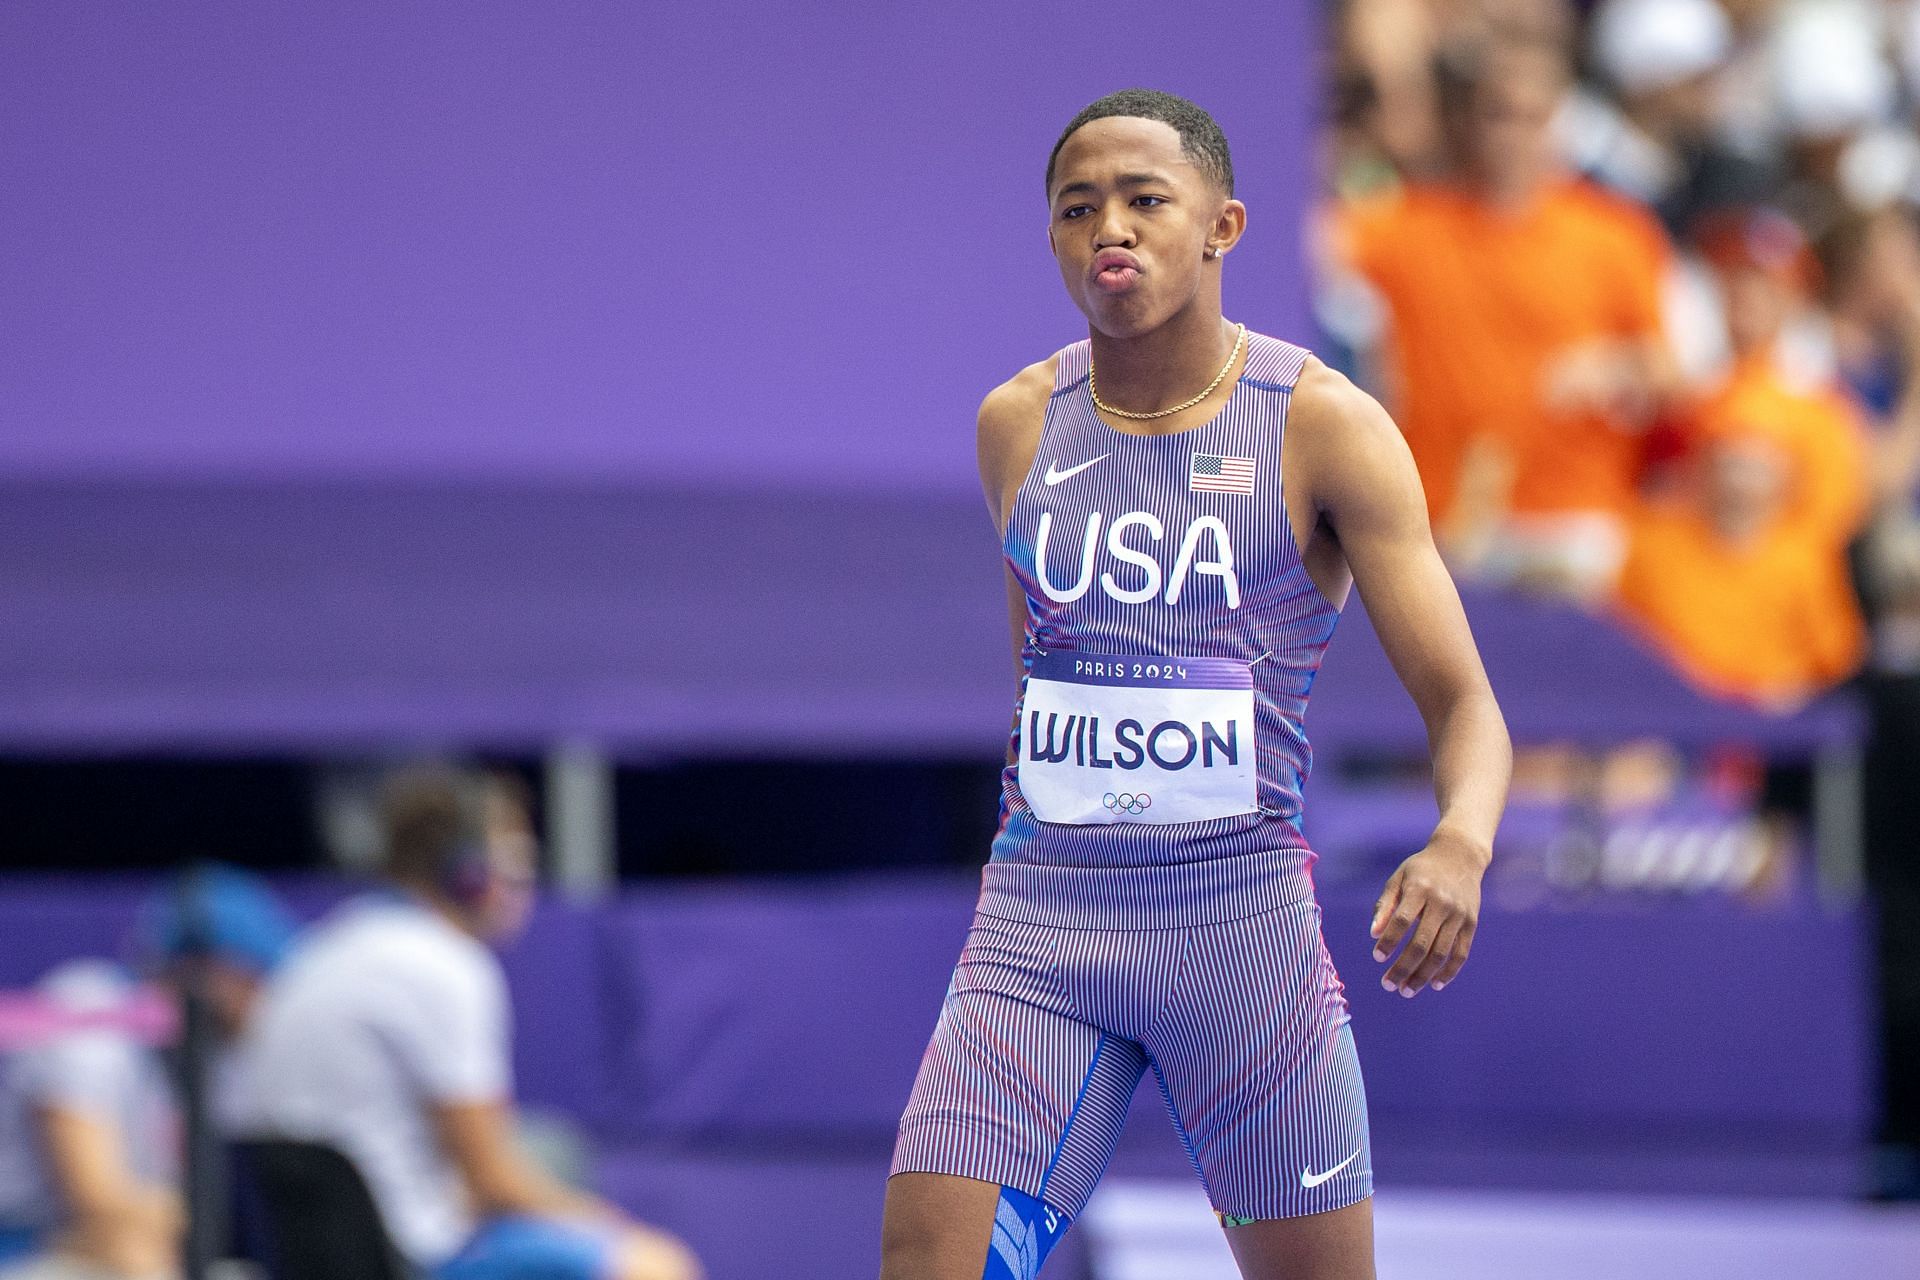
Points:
(1172, 636)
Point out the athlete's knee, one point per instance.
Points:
(1333, 1244)
(915, 1249)
(1025, 1230)
(934, 1223)
(945, 1228)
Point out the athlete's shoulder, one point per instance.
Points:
(1326, 400)
(1340, 440)
(1011, 419)
(1012, 415)
(1273, 364)
(1016, 403)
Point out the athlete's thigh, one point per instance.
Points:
(1335, 1245)
(1014, 1113)
(1258, 1065)
(1015, 1089)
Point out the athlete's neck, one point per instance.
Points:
(1161, 368)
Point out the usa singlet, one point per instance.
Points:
(1149, 901)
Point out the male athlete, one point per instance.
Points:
(1149, 903)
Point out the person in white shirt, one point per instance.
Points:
(386, 1037)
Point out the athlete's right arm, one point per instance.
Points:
(1009, 432)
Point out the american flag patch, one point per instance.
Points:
(1215, 473)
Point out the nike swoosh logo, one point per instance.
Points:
(1055, 475)
(1308, 1178)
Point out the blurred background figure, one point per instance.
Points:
(1762, 494)
(1659, 138)
(1869, 276)
(1740, 573)
(219, 933)
(386, 1039)
(92, 1131)
(89, 1141)
(1525, 406)
(1838, 109)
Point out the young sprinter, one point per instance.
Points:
(1149, 902)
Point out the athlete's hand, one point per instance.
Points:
(1433, 904)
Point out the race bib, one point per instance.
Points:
(1115, 739)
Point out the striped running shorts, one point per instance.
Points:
(1047, 1029)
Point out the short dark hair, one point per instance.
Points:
(433, 818)
(1201, 139)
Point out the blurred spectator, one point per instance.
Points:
(1385, 102)
(1870, 265)
(1386, 116)
(89, 1140)
(386, 1038)
(1509, 325)
(1836, 94)
(222, 933)
(1523, 329)
(1662, 143)
(215, 934)
(1740, 575)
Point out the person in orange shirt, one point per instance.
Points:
(1525, 352)
(1739, 575)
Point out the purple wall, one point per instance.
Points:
(751, 1043)
(705, 243)
(761, 1011)
(318, 617)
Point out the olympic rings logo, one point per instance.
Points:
(1127, 802)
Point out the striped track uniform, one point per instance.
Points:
(1132, 939)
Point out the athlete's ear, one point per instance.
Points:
(1227, 228)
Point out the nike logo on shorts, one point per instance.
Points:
(1310, 1179)
(1055, 475)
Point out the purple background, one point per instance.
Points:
(312, 617)
(699, 243)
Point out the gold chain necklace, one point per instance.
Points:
(1233, 355)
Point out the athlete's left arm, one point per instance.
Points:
(1361, 480)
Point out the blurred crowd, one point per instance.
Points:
(1641, 284)
(1640, 281)
(347, 1085)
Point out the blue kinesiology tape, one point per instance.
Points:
(1024, 1233)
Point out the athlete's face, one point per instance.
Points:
(1132, 221)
